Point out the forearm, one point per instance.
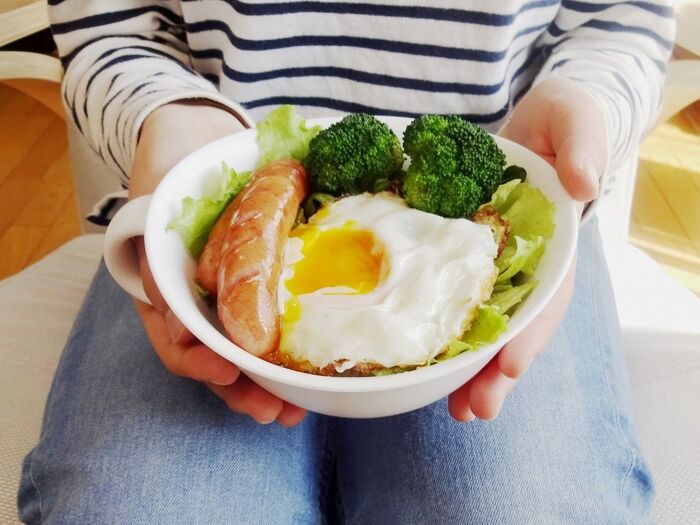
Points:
(169, 133)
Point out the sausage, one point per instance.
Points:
(210, 258)
(251, 255)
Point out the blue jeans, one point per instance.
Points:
(124, 441)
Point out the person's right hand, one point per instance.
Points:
(167, 135)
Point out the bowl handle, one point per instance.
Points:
(118, 250)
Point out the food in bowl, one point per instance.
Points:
(370, 284)
(373, 270)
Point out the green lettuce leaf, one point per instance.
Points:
(199, 215)
(502, 287)
(522, 257)
(486, 329)
(389, 371)
(529, 211)
(505, 300)
(531, 217)
(500, 196)
(283, 133)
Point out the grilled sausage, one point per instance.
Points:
(251, 255)
(210, 258)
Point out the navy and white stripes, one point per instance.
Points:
(474, 58)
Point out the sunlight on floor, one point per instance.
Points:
(666, 210)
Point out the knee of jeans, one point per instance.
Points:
(639, 489)
(28, 495)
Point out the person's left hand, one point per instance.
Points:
(168, 134)
(560, 122)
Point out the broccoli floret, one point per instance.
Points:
(455, 165)
(355, 155)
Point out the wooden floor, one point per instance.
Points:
(38, 211)
(666, 211)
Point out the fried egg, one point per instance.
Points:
(370, 282)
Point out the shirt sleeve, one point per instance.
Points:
(617, 51)
(122, 60)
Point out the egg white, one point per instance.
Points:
(434, 273)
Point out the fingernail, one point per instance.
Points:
(468, 416)
(526, 366)
(590, 172)
(497, 411)
(175, 328)
(265, 420)
(222, 383)
(500, 404)
(228, 380)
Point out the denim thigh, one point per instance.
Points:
(124, 441)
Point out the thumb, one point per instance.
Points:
(564, 125)
(580, 162)
(579, 142)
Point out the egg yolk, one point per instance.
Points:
(336, 257)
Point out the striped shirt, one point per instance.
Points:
(471, 57)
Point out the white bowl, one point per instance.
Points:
(357, 397)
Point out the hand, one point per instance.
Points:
(167, 135)
(560, 122)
